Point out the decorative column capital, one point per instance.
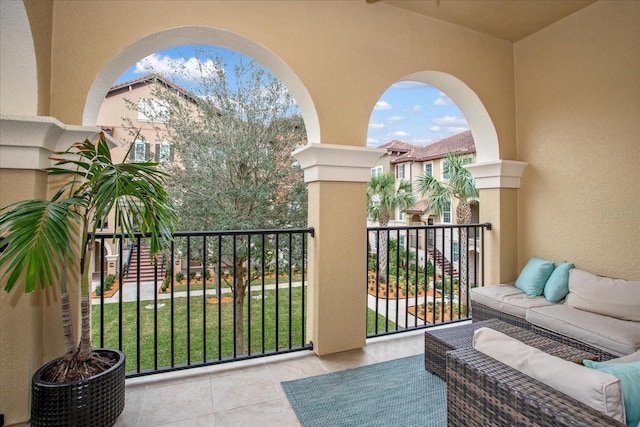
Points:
(328, 162)
(497, 174)
(27, 142)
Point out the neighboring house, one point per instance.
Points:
(131, 115)
(409, 162)
(131, 106)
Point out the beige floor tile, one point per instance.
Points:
(176, 401)
(385, 349)
(202, 421)
(294, 368)
(247, 387)
(267, 414)
(346, 360)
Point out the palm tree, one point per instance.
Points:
(383, 197)
(40, 235)
(461, 187)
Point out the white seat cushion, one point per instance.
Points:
(507, 298)
(619, 337)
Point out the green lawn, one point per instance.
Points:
(202, 340)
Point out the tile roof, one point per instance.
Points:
(461, 143)
(149, 78)
(420, 207)
(397, 146)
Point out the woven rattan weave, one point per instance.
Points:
(439, 342)
(484, 392)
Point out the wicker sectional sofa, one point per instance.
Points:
(600, 313)
(484, 392)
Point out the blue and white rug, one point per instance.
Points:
(395, 393)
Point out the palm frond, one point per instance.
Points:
(37, 239)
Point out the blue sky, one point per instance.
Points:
(407, 111)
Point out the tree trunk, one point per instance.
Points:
(70, 347)
(383, 255)
(239, 292)
(383, 246)
(86, 350)
(463, 216)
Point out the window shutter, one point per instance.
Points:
(157, 154)
(147, 151)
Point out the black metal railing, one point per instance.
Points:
(420, 276)
(223, 296)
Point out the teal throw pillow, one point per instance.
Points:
(629, 376)
(557, 286)
(534, 275)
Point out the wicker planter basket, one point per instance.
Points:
(95, 401)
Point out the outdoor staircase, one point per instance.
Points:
(147, 268)
(441, 263)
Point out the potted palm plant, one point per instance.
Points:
(44, 239)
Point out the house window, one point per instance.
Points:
(164, 152)
(140, 152)
(446, 213)
(445, 169)
(428, 169)
(152, 110)
(400, 171)
(456, 251)
(377, 171)
(400, 215)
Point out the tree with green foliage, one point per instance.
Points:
(460, 186)
(233, 141)
(383, 198)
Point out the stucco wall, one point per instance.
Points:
(345, 53)
(578, 120)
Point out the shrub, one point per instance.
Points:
(108, 282)
(179, 276)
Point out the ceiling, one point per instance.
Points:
(510, 20)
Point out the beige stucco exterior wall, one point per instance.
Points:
(346, 53)
(578, 120)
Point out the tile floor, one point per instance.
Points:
(246, 393)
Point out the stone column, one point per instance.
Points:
(498, 183)
(337, 178)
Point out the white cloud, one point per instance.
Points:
(191, 69)
(400, 133)
(376, 125)
(450, 120)
(435, 128)
(414, 109)
(395, 119)
(442, 101)
(382, 105)
(456, 129)
(372, 142)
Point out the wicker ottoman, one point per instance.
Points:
(438, 342)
